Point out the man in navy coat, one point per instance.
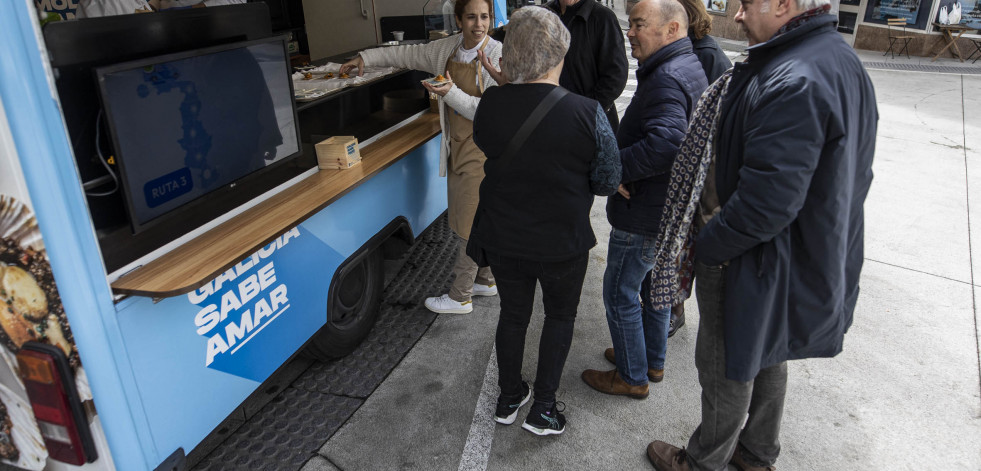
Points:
(779, 258)
(669, 81)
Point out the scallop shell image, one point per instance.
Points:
(17, 223)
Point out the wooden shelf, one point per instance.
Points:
(193, 264)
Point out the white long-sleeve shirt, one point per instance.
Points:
(431, 57)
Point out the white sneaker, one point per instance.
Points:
(445, 305)
(484, 290)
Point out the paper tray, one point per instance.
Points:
(319, 87)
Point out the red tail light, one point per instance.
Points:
(51, 388)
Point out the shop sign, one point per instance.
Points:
(64, 8)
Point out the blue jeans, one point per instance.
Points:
(639, 332)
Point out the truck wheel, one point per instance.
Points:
(352, 309)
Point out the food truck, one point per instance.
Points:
(168, 240)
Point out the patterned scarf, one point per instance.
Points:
(673, 249)
(802, 18)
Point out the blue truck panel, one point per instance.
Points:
(198, 356)
(164, 374)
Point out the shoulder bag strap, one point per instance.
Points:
(532, 121)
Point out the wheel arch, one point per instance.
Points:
(391, 241)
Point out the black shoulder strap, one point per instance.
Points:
(531, 122)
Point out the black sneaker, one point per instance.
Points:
(507, 407)
(545, 418)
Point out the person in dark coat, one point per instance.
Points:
(533, 219)
(596, 64)
(669, 81)
(713, 59)
(715, 63)
(778, 260)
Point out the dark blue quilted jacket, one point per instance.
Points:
(669, 84)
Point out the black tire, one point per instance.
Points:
(351, 310)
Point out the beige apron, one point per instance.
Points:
(465, 168)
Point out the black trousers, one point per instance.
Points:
(561, 287)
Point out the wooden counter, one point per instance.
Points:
(195, 263)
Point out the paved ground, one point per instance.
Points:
(905, 394)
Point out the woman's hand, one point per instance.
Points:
(356, 62)
(493, 70)
(443, 88)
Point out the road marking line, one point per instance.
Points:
(481, 436)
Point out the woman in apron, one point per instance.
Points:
(461, 161)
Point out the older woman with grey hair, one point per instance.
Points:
(532, 224)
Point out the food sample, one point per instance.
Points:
(307, 76)
(343, 76)
(328, 75)
(437, 81)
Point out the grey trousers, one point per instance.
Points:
(725, 403)
(466, 272)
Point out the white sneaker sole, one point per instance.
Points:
(541, 432)
(463, 310)
(514, 415)
(489, 292)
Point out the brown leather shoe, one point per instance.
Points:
(666, 457)
(654, 375)
(741, 464)
(610, 382)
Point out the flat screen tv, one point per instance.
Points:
(189, 126)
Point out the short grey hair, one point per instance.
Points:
(805, 5)
(536, 41)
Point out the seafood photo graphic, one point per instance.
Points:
(30, 307)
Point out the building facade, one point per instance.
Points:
(863, 23)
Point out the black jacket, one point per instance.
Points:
(713, 60)
(669, 84)
(596, 64)
(794, 165)
(536, 205)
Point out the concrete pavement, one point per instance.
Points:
(904, 394)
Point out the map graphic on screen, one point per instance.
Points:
(185, 127)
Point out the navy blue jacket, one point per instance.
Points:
(669, 84)
(794, 165)
(713, 59)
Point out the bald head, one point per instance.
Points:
(655, 24)
(667, 10)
